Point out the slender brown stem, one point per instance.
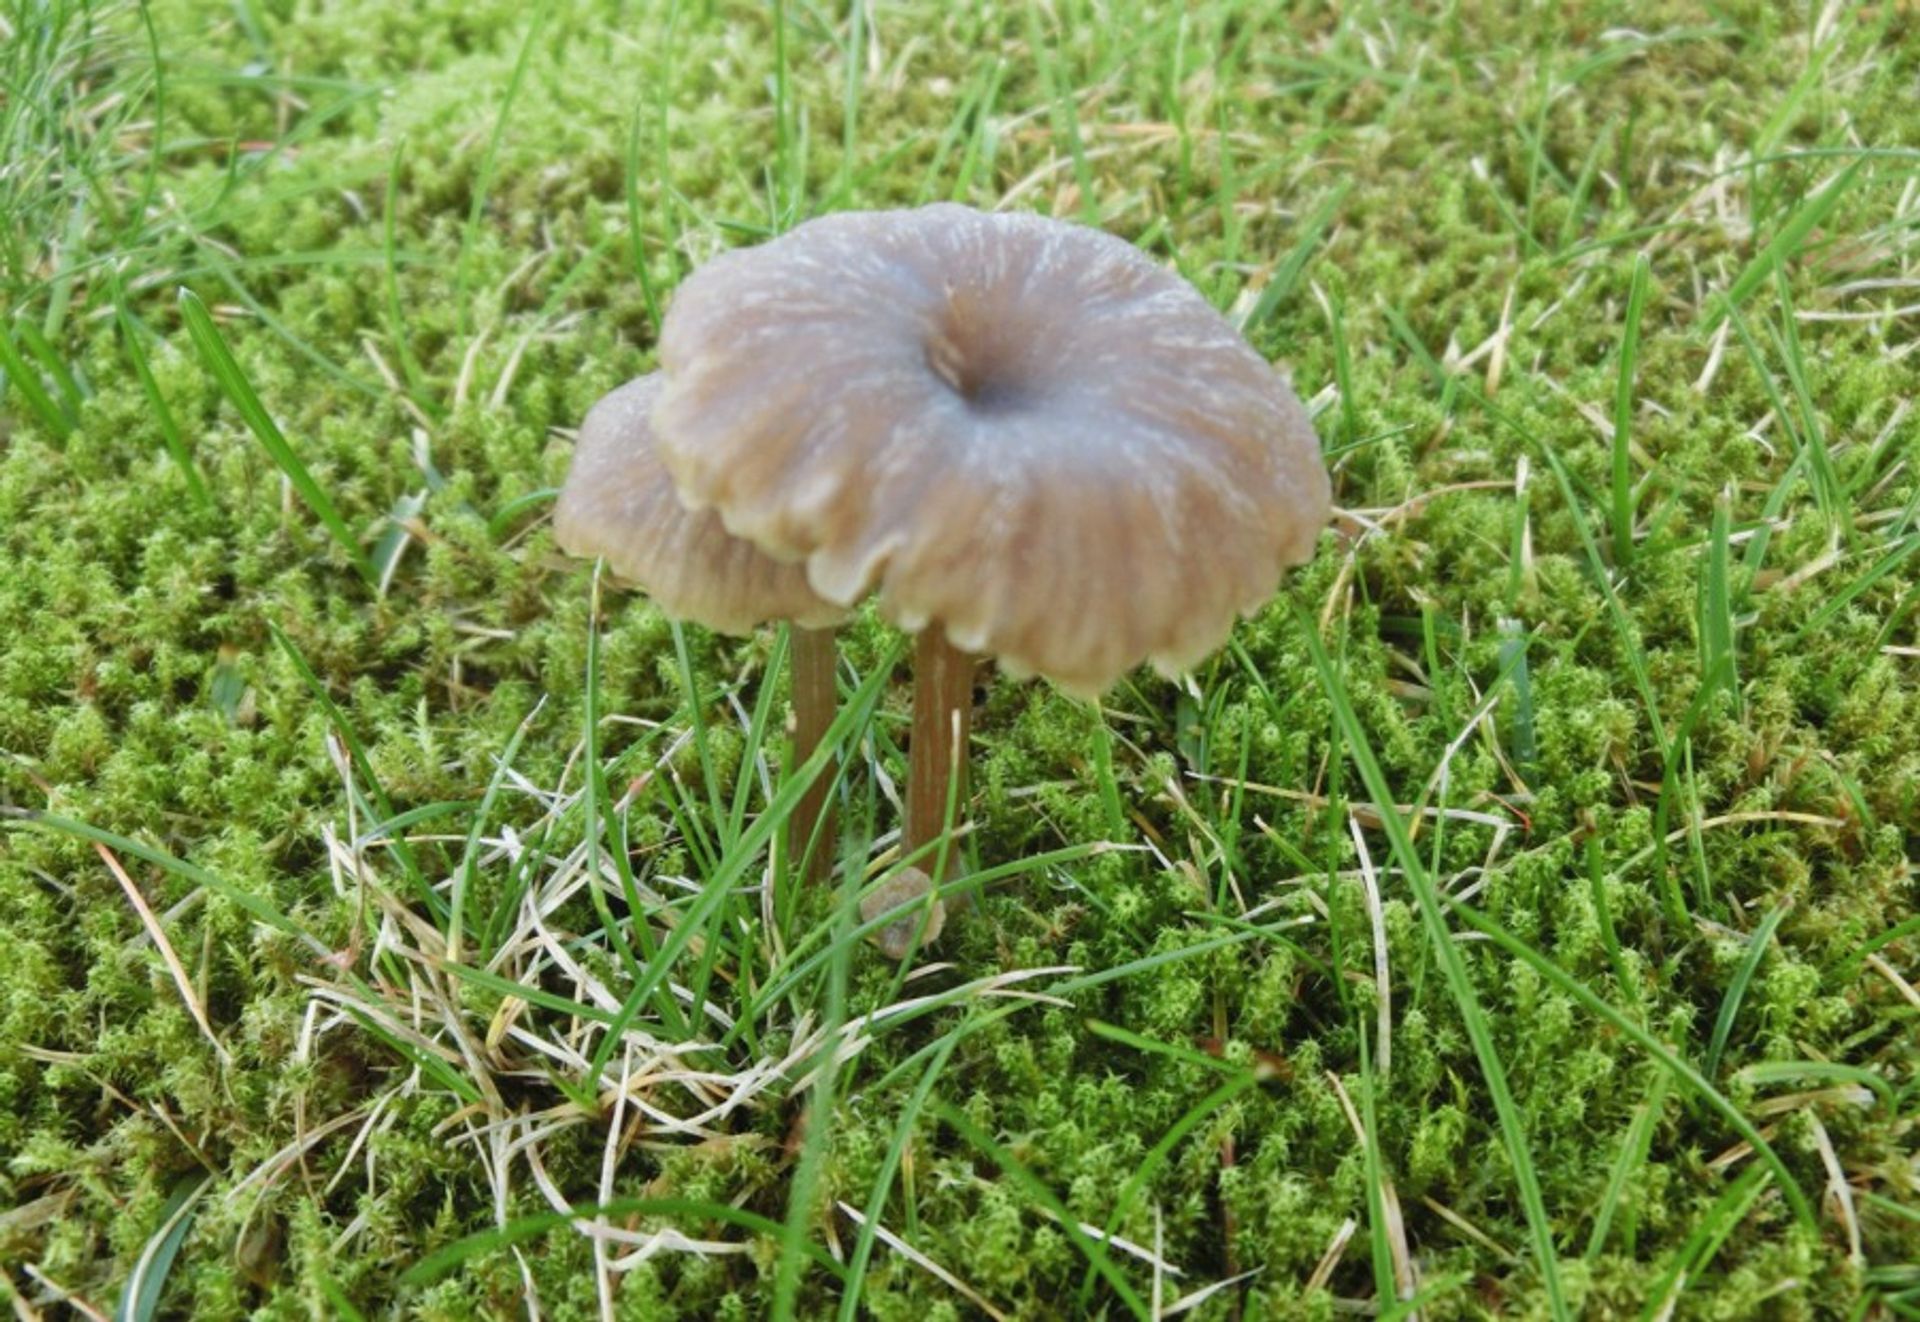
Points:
(937, 757)
(814, 657)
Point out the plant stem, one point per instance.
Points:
(937, 757)
(815, 696)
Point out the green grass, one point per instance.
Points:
(1518, 917)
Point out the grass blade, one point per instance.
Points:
(889, 1167)
(1280, 285)
(803, 1192)
(1787, 241)
(463, 876)
(441, 1262)
(24, 379)
(1633, 1154)
(140, 1298)
(1094, 1251)
(253, 904)
(1685, 1073)
(338, 1300)
(1717, 628)
(1789, 1071)
(1157, 1155)
(162, 414)
(1839, 601)
(1725, 1217)
(636, 232)
(233, 383)
(720, 883)
(520, 991)
(600, 824)
(1065, 117)
(1623, 416)
(1786, 340)
(850, 101)
(1737, 988)
(483, 185)
(368, 782)
(1452, 964)
(1616, 609)
(396, 314)
(36, 344)
(1379, 1240)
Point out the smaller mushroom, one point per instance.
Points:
(619, 504)
(918, 926)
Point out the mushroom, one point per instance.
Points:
(915, 927)
(619, 504)
(1034, 441)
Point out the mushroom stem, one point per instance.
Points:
(814, 658)
(937, 757)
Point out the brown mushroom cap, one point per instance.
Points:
(1024, 430)
(926, 923)
(619, 503)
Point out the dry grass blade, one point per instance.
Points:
(924, 1263)
(1839, 1192)
(1382, 976)
(165, 947)
(78, 1303)
(1186, 1303)
(1329, 1260)
(1405, 1276)
(1467, 1228)
(1898, 983)
(556, 1000)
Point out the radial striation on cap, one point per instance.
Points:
(1023, 430)
(619, 503)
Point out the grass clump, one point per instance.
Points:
(1518, 917)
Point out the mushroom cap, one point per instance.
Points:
(896, 938)
(1023, 430)
(618, 502)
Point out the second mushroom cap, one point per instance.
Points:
(619, 503)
